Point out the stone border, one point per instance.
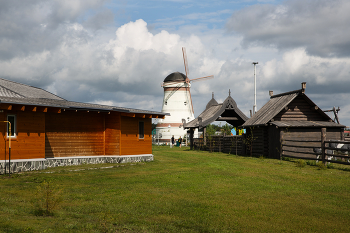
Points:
(21, 165)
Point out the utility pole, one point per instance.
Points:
(254, 106)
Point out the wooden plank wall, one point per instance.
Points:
(308, 134)
(30, 140)
(73, 133)
(130, 142)
(112, 133)
(260, 142)
(299, 110)
(274, 141)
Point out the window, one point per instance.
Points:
(12, 120)
(141, 129)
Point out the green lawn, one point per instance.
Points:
(181, 191)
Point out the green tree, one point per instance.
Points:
(226, 129)
(210, 132)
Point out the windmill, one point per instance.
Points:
(177, 101)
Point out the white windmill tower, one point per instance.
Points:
(178, 102)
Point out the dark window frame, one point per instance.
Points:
(13, 125)
(141, 130)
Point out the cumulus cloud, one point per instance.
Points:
(321, 26)
(68, 50)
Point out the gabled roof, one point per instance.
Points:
(13, 89)
(213, 112)
(16, 93)
(277, 103)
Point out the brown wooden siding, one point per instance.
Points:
(130, 142)
(30, 131)
(73, 133)
(260, 141)
(307, 135)
(112, 134)
(299, 110)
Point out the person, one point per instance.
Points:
(172, 140)
(180, 141)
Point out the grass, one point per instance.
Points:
(182, 191)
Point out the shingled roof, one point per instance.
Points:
(279, 103)
(226, 111)
(17, 93)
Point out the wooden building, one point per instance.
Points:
(46, 126)
(226, 111)
(295, 116)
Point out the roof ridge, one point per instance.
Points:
(287, 93)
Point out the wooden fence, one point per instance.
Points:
(226, 144)
(323, 150)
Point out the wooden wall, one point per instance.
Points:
(299, 110)
(73, 133)
(30, 131)
(306, 136)
(260, 141)
(130, 142)
(112, 133)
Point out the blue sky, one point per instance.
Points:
(171, 15)
(119, 52)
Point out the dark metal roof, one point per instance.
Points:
(64, 104)
(317, 124)
(16, 93)
(174, 77)
(214, 111)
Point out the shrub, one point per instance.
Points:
(301, 163)
(321, 166)
(48, 199)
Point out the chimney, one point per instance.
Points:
(303, 87)
(271, 93)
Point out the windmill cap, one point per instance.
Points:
(176, 76)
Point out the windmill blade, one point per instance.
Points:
(185, 61)
(202, 78)
(189, 91)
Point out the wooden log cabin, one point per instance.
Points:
(294, 115)
(48, 130)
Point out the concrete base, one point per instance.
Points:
(21, 165)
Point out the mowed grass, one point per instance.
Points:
(182, 191)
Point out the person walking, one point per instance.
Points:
(180, 141)
(172, 140)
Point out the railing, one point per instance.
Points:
(226, 144)
(326, 151)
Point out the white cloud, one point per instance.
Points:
(125, 68)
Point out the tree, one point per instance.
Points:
(210, 132)
(226, 129)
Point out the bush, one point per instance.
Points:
(321, 166)
(301, 163)
(48, 199)
(311, 163)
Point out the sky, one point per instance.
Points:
(118, 52)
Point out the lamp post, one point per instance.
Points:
(9, 135)
(254, 106)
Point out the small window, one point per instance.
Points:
(12, 120)
(141, 129)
